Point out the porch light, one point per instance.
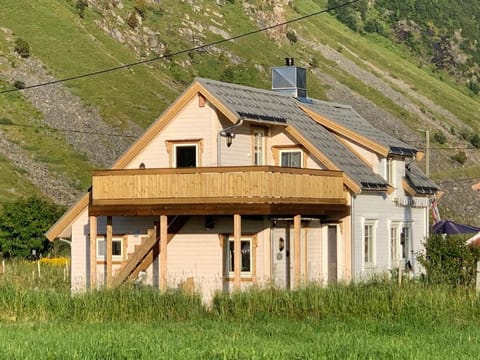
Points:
(230, 137)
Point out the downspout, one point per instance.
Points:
(66, 241)
(224, 133)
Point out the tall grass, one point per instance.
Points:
(24, 296)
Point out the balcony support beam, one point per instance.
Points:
(93, 251)
(237, 250)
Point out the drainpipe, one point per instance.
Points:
(65, 241)
(224, 133)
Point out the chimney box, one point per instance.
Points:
(290, 79)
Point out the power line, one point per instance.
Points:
(196, 48)
(69, 130)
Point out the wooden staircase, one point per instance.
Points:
(145, 253)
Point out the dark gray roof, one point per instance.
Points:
(269, 106)
(345, 116)
(419, 181)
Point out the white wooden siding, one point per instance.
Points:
(191, 123)
(384, 211)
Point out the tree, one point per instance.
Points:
(448, 260)
(23, 224)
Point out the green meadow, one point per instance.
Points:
(39, 318)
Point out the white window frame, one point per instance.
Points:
(175, 146)
(395, 246)
(290, 151)
(369, 253)
(406, 242)
(103, 239)
(258, 147)
(391, 172)
(229, 254)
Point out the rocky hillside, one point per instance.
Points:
(52, 136)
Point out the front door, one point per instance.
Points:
(281, 256)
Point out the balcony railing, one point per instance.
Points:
(209, 186)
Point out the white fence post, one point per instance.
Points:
(477, 285)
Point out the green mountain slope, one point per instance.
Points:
(69, 128)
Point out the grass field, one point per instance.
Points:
(379, 320)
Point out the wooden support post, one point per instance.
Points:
(93, 251)
(108, 252)
(477, 285)
(297, 227)
(237, 250)
(163, 252)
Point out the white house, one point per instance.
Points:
(234, 186)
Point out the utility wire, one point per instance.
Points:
(69, 130)
(196, 48)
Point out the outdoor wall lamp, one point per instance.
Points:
(229, 140)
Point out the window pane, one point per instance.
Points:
(291, 158)
(117, 248)
(393, 246)
(231, 257)
(186, 156)
(245, 248)
(245, 256)
(101, 250)
(367, 243)
(258, 148)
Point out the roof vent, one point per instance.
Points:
(290, 79)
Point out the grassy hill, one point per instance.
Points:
(67, 129)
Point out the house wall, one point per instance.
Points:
(384, 211)
(191, 123)
(202, 123)
(368, 156)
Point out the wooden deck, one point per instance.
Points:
(225, 190)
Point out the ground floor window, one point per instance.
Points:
(117, 248)
(247, 257)
(369, 243)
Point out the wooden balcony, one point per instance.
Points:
(254, 190)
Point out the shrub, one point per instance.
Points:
(448, 260)
(475, 141)
(80, 6)
(439, 137)
(461, 157)
(474, 86)
(141, 7)
(132, 20)
(22, 48)
(5, 121)
(19, 84)
(291, 36)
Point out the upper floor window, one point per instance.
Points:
(259, 146)
(391, 172)
(184, 153)
(291, 158)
